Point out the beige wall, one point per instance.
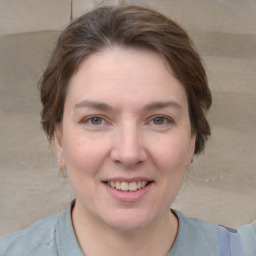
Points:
(221, 183)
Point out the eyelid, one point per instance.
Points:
(167, 118)
(107, 121)
(90, 117)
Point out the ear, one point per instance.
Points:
(58, 140)
(191, 149)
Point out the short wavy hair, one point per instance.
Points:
(133, 27)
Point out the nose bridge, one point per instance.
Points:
(129, 148)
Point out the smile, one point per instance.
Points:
(127, 186)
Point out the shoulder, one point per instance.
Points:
(195, 237)
(38, 239)
(198, 227)
(248, 237)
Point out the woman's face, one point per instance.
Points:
(125, 137)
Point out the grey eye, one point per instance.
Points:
(96, 120)
(159, 120)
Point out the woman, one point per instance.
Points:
(124, 99)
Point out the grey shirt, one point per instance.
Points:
(248, 237)
(54, 236)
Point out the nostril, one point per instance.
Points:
(128, 148)
(129, 155)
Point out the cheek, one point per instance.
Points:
(170, 160)
(81, 165)
(83, 154)
(170, 153)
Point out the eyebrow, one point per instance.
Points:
(151, 106)
(93, 105)
(162, 104)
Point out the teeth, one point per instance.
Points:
(124, 186)
(117, 185)
(127, 186)
(132, 186)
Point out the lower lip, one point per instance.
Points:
(128, 196)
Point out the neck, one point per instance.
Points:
(98, 239)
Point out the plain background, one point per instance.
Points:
(220, 185)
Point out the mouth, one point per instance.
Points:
(128, 186)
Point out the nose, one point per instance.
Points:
(128, 148)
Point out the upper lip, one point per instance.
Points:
(125, 179)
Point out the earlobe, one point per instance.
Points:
(192, 150)
(59, 147)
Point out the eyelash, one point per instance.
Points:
(166, 120)
(90, 118)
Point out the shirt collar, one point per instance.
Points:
(66, 240)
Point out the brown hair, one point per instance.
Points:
(126, 26)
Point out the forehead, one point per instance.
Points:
(125, 73)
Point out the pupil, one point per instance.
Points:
(158, 120)
(96, 120)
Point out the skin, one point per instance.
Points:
(125, 117)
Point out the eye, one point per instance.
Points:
(94, 121)
(160, 120)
